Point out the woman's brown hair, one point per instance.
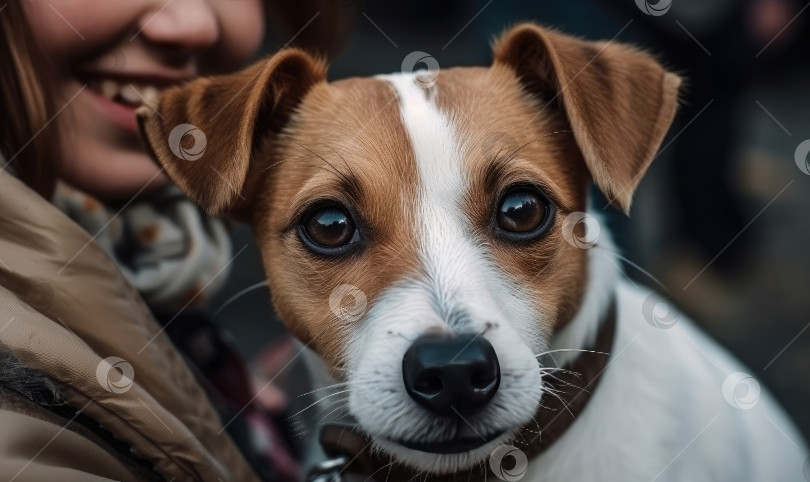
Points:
(28, 139)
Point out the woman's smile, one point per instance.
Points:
(116, 96)
(103, 70)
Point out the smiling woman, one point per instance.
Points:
(109, 58)
(98, 250)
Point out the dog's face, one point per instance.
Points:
(433, 205)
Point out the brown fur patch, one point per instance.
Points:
(346, 143)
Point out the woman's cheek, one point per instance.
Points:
(243, 27)
(66, 29)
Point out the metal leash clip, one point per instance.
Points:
(330, 470)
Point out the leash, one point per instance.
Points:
(347, 447)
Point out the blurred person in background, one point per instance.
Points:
(100, 258)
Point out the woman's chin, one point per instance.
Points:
(113, 175)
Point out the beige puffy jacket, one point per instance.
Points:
(65, 310)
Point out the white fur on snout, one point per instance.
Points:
(460, 291)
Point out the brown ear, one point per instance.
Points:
(619, 101)
(206, 133)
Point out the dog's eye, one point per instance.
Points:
(523, 214)
(328, 230)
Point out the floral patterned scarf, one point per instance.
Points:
(172, 253)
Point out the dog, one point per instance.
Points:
(426, 234)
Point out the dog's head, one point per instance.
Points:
(432, 203)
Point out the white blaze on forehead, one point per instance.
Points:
(460, 274)
(434, 144)
(445, 249)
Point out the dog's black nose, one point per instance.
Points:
(445, 374)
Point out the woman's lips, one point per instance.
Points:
(117, 96)
(123, 115)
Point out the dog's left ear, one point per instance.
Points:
(207, 134)
(618, 101)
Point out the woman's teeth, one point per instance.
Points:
(135, 95)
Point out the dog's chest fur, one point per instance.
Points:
(659, 412)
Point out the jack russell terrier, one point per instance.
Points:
(425, 234)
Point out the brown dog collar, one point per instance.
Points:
(350, 449)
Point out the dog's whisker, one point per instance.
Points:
(344, 406)
(566, 384)
(317, 402)
(558, 369)
(336, 386)
(347, 179)
(552, 370)
(554, 377)
(565, 405)
(558, 379)
(563, 382)
(632, 264)
(354, 179)
(255, 286)
(561, 350)
(281, 162)
(534, 418)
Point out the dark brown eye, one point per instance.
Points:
(328, 230)
(523, 213)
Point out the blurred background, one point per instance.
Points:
(719, 225)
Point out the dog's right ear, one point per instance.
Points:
(206, 133)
